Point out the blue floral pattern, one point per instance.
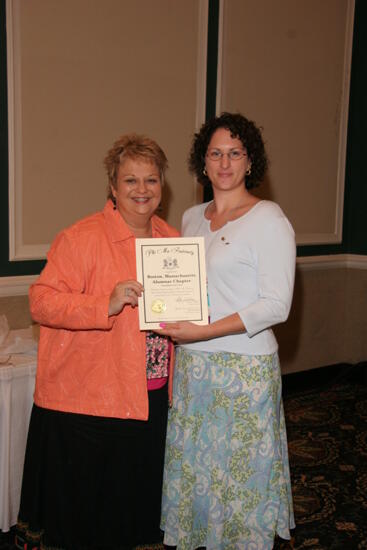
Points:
(226, 481)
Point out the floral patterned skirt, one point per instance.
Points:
(226, 480)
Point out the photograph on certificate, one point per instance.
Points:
(172, 271)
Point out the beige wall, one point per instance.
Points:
(16, 309)
(285, 64)
(327, 324)
(356, 318)
(138, 65)
(85, 72)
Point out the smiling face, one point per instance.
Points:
(226, 174)
(138, 189)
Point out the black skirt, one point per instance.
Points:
(92, 482)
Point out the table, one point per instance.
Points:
(16, 399)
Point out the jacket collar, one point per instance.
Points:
(117, 228)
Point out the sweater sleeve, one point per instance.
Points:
(276, 257)
(58, 298)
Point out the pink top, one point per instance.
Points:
(156, 383)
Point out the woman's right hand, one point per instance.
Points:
(125, 292)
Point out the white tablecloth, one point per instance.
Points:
(16, 400)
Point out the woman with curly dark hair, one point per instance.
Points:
(226, 481)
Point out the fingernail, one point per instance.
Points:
(162, 325)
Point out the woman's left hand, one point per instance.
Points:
(183, 332)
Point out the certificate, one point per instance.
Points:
(173, 274)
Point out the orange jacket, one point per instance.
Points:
(90, 363)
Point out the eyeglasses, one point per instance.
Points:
(233, 154)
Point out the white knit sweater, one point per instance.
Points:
(250, 269)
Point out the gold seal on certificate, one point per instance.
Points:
(172, 271)
(158, 306)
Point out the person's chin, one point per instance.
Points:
(224, 183)
(145, 210)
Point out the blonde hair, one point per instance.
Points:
(136, 147)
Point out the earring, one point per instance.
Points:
(114, 203)
(248, 171)
(205, 172)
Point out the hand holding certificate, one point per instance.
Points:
(173, 274)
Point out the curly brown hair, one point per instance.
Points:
(239, 127)
(136, 147)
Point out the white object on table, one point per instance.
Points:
(17, 381)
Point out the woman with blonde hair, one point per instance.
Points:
(94, 460)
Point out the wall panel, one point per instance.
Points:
(286, 65)
(83, 72)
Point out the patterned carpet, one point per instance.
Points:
(327, 436)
